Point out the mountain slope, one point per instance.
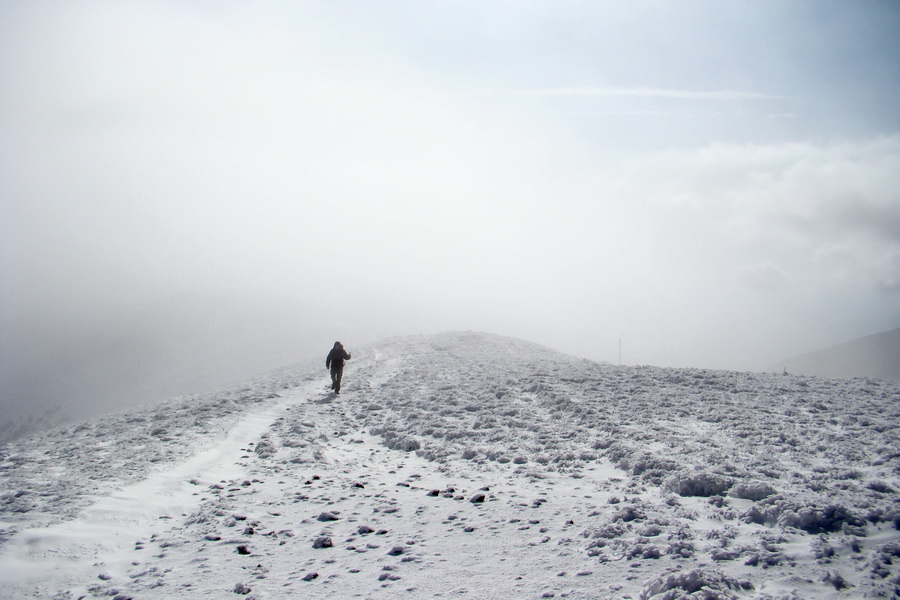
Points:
(872, 356)
(468, 465)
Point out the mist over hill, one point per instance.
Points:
(80, 375)
(58, 369)
(871, 356)
(471, 465)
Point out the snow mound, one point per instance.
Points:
(696, 584)
(701, 484)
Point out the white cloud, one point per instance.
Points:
(778, 204)
(636, 92)
(764, 276)
(745, 247)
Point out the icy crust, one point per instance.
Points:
(697, 583)
(755, 470)
(697, 433)
(51, 476)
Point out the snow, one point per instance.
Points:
(467, 465)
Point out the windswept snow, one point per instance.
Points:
(468, 466)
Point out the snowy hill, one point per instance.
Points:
(467, 465)
(872, 356)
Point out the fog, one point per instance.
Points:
(194, 192)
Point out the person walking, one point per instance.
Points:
(335, 362)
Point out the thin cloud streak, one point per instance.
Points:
(640, 92)
(673, 113)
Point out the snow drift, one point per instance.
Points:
(467, 465)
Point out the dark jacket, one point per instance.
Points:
(336, 358)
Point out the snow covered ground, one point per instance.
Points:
(467, 465)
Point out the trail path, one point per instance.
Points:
(246, 513)
(100, 540)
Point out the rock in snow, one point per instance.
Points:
(240, 588)
(322, 542)
(604, 482)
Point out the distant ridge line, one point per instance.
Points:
(876, 356)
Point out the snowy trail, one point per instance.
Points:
(396, 522)
(104, 534)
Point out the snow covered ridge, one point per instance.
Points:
(470, 465)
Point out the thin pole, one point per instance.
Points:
(620, 352)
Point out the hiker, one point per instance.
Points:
(335, 362)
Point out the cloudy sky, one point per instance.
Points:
(195, 191)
